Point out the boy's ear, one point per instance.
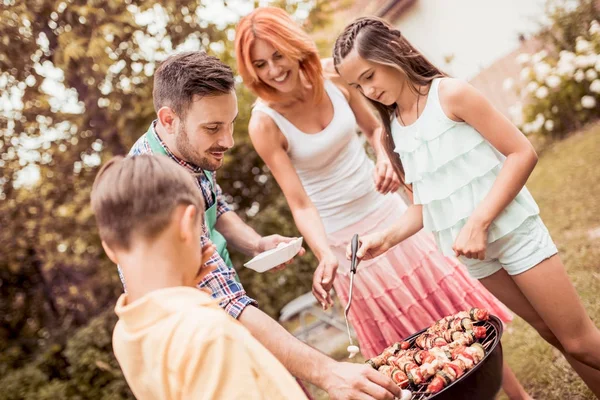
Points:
(110, 253)
(188, 222)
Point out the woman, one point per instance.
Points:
(304, 128)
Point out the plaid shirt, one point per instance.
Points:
(221, 282)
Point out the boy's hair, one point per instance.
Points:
(184, 75)
(136, 196)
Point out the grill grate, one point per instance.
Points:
(489, 343)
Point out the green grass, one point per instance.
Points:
(566, 185)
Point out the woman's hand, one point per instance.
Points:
(471, 241)
(369, 246)
(385, 178)
(323, 280)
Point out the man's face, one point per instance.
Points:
(206, 132)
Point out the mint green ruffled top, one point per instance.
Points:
(452, 167)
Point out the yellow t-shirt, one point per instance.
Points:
(177, 343)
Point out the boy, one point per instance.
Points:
(172, 340)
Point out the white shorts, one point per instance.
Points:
(516, 252)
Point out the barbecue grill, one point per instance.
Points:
(483, 381)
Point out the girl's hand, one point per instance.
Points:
(369, 246)
(471, 241)
(385, 178)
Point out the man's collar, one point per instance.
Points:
(192, 167)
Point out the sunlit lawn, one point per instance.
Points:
(566, 184)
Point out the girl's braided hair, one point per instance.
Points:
(377, 41)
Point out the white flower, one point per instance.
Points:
(570, 6)
(508, 84)
(592, 59)
(591, 74)
(523, 58)
(595, 86)
(582, 45)
(542, 92)
(565, 66)
(579, 76)
(539, 56)
(516, 113)
(553, 81)
(531, 87)
(525, 72)
(565, 69)
(539, 122)
(597, 66)
(567, 56)
(584, 61)
(528, 128)
(588, 102)
(542, 70)
(549, 125)
(594, 28)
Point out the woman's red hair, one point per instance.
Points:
(275, 26)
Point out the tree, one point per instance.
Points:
(76, 89)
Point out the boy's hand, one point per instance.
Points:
(207, 252)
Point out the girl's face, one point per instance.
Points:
(378, 82)
(273, 68)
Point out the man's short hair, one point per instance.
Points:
(185, 75)
(135, 197)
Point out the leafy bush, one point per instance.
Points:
(84, 369)
(23, 383)
(560, 85)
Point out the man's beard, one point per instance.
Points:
(185, 148)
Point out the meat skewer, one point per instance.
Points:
(446, 351)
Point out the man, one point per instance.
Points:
(172, 340)
(196, 108)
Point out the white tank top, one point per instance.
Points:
(332, 164)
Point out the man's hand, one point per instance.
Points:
(323, 280)
(270, 242)
(359, 381)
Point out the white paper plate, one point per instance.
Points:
(271, 258)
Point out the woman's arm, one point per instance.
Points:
(270, 144)
(462, 102)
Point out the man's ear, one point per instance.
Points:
(168, 119)
(110, 253)
(188, 222)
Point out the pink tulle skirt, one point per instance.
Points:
(408, 288)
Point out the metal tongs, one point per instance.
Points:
(352, 349)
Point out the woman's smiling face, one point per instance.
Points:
(273, 68)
